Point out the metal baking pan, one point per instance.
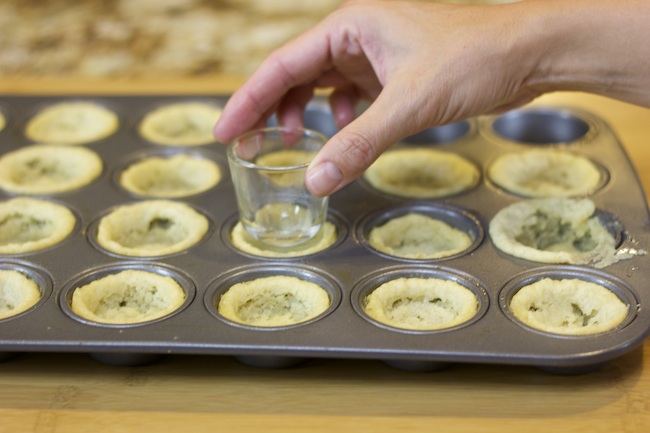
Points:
(348, 269)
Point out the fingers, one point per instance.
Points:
(347, 155)
(297, 63)
(343, 103)
(292, 106)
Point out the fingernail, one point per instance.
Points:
(323, 178)
(217, 132)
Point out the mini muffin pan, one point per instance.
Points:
(348, 270)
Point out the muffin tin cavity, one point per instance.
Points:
(442, 134)
(48, 169)
(317, 117)
(405, 232)
(16, 280)
(150, 228)
(421, 299)
(342, 261)
(543, 126)
(333, 232)
(127, 295)
(29, 225)
(557, 230)
(546, 172)
(72, 122)
(264, 303)
(181, 123)
(421, 172)
(557, 313)
(170, 174)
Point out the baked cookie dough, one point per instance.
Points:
(76, 122)
(545, 173)
(18, 293)
(28, 224)
(568, 306)
(170, 177)
(554, 230)
(273, 301)
(421, 304)
(421, 173)
(418, 236)
(181, 124)
(246, 243)
(286, 158)
(151, 228)
(128, 297)
(48, 169)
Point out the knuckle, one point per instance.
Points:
(276, 63)
(357, 154)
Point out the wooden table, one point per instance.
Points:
(69, 393)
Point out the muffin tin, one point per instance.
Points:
(348, 270)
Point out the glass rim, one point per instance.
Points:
(233, 157)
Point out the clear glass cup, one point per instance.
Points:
(268, 168)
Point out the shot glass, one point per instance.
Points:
(268, 168)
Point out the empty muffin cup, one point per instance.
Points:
(542, 126)
(317, 116)
(441, 134)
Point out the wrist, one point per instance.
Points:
(591, 46)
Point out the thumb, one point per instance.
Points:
(351, 151)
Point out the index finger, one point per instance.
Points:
(300, 61)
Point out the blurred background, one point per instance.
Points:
(149, 38)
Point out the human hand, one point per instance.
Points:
(423, 64)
